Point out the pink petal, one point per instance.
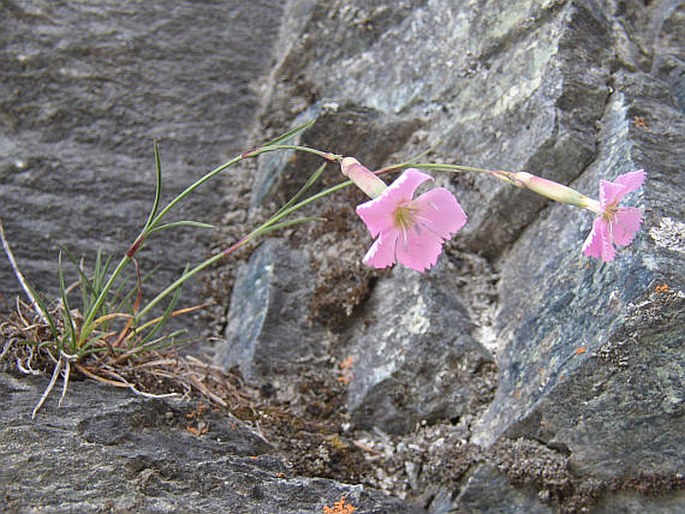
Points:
(598, 243)
(625, 225)
(613, 192)
(610, 193)
(633, 180)
(382, 251)
(440, 211)
(418, 249)
(378, 214)
(404, 187)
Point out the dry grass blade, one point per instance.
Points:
(156, 373)
(35, 305)
(48, 389)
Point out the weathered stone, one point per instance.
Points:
(593, 363)
(413, 356)
(269, 329)
(486, 490)
(105, 449)
(576, 91)
(588, 412)
(523, 92)
(85, 91)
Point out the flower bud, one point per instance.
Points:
(364, 179)
(553, 190)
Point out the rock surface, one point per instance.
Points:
(106, 450)
(590, 356)
(85, 92)
(516, 376)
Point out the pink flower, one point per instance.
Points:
(615, 225)
(410, 231)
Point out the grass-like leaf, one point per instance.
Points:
(68, 320)
(158, 187)
(86, 285)
(310, 182)
(285, 224)
(291, 133)
(46, 313)
(181, 223)
(164, 319)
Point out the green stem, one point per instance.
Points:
(502, 175)
(209, 175)
(271, 148)
(254, 153)
(161, 214)
(88, 321)
(228, 251)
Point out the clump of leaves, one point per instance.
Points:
(112, 348)
(108, 333)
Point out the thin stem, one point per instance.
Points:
(192, 188)
(271, 148)
(154, 221)
(450, 167)
(224, 253)
(20, 277)
(505, 176)
(254, 153)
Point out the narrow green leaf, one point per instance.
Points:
(312, 179)
(182, 223)
(66, 317)
(87, 287)
(165, 317)
(291, 133)
(45, 311)
(285, 224)
(158, 188)
(165, 341)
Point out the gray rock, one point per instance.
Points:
(269, 328)
(105, 449)
(593, 364)
(413, 356)
(85, 91)
(515, 86)
(588, 409)
(486, 490)
(563, 304)
(589, 355)
(633, 502)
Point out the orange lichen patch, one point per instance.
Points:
(345, 371)
(197, 412)
(662, 289)
(200, 429)
(580, 350)
(340, 507)
(639, 122)
(198, 426)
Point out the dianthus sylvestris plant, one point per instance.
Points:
(412, 232)
(408, 229)
(614, 225)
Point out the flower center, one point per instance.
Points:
(610, 212)
(405, 216)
